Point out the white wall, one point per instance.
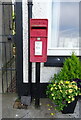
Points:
(40, 10)
(25, 41)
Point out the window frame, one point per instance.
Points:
(57, 51)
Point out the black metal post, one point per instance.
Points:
(19, 46)
(29, 63)
(37, 96)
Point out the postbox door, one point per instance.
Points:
(38, 50)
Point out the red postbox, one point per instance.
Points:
(38, 40)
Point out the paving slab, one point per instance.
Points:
(46, 109)
(0, 81)
(0, 106)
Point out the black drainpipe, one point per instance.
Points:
(29, 63)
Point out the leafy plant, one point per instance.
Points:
(71, 69)
(65, 85)
(61, 92)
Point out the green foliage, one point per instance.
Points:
(62, 92)
(71, 69)
(13, 23)
(62, 89)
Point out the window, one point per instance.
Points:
(64, 28)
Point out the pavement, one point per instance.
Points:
(0, 81)
(46, 109)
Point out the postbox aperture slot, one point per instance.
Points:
(38, 27)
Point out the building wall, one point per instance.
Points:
(39, 10)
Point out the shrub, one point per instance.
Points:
(63, 87)
(71, 69)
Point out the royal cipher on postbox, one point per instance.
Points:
(38, 40)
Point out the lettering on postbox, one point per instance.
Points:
(38, 40)
(38, 48)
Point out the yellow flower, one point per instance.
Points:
(67, 82)
(52, 94)
(76, 87)
(70, 86)
(79, 93)
(55, 88)
(73, 99)
(54, 84)
(59, 87)
(66, 91)
(60, 90)
(48, 104)
(52, 113)
(73, 82)
(54, 98)
(70, 90)
(69, 101)
(61, 81)
(76, 94)
(69, 96)
(51, 88)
